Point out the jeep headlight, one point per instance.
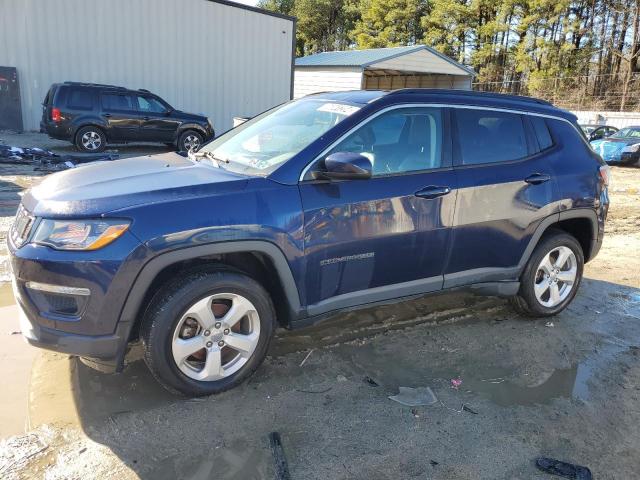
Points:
(79, 234)
(631, 148)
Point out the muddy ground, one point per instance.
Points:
(569, 389)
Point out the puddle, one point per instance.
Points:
(99, 395)
(235, 462)
(504, 386)
(566, 382)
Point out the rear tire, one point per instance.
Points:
(191, 344)
(552, 276)
(91, 140)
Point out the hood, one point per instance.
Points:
(611, 148)
(103, 187)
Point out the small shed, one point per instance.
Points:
(417, 66)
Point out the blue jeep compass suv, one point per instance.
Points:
(330, 202)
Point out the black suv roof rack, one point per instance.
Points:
(473, 93)
(144, 90)
(87, 84)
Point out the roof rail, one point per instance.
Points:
(88, 84)
(472, 93)
(144, 90)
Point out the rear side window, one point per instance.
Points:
(49, 98)
(80, 100)
(113, 102)
(542, 132)
(490, 137)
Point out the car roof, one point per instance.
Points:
(487, 99)
(102, 86)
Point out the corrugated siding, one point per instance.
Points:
(420, 61)
(200, 56)
(312, 80)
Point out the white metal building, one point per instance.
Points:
(416, 66)
(219, 58)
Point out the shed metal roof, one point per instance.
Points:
(366, 58)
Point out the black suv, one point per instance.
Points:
(92, 115)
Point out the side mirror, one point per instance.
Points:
(168, 111)
(345, 166)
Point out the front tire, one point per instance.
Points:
(551, 277)
(207, 332)
(91, 140)
(190, 140)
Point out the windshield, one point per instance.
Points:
(588, 128)
(263, 143)
(627, 132)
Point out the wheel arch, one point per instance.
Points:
(581, 223)
(261, 260)
(94, 124)
(191, 126)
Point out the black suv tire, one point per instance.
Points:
(91, 139)
(534, 278)
(167, 319)
(189, 139)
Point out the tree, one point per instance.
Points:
(390, 23)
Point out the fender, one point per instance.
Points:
(555, 218)
(191, 126)
(82, 122)
(152, 268)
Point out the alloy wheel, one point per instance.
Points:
(216, 337)
(555, 276)
(91, 140)
(191, 142)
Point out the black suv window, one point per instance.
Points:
(149, 104)
(489, 137)
(400, 140)
(80, 99)
(115, 102)
(542, 132)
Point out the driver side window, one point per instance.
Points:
(399, 140)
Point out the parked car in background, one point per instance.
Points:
(92, 115)
(623, 147)
(596, 132)
(330, 202)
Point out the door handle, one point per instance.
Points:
(537, 178)
(145, 118)
(433, 191)
(106, 115)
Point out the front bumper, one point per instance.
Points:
(92, 329)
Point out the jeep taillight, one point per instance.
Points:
(56, 116)
(604, 175)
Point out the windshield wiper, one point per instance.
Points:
(207, 154)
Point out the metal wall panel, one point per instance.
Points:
(200, 56)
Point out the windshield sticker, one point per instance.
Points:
(339, 108)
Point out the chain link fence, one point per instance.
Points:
(610, 92)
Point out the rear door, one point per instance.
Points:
(388, 236)
(506, 188)
(156, 123)
(120, 115)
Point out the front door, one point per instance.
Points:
(156, 123)
(388, 236)
(506, 188)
